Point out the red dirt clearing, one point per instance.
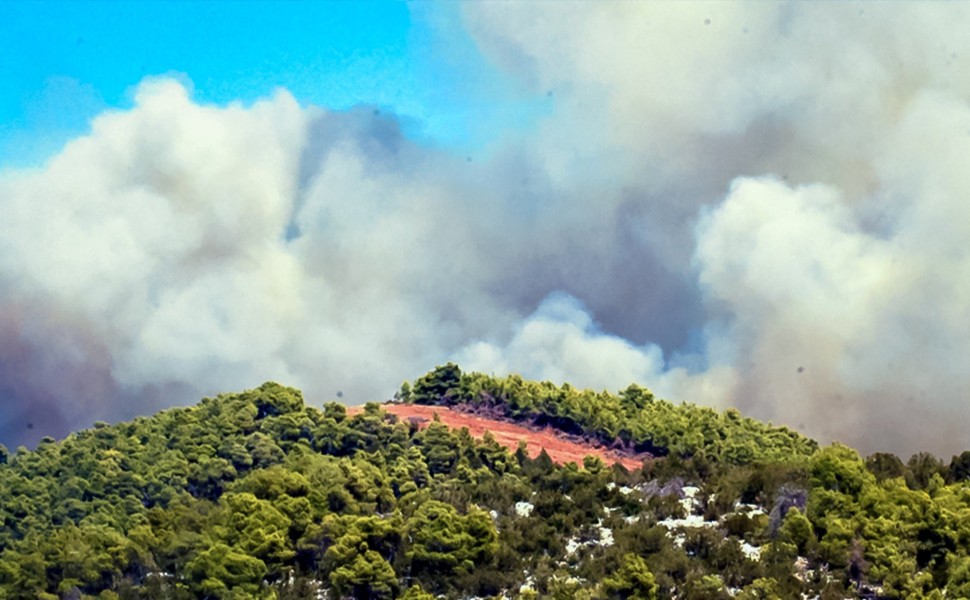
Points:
(559, 449)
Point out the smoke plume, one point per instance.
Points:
(762, 207)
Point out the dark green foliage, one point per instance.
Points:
(921, 468)
(633, 581)
(255, 495)
(219, 568)
(885, 466)
(444, 542)
(632, 420)
(959, 467)
(246, 495)
(438, 386)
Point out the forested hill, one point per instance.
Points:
(256, 495)
(633, 419)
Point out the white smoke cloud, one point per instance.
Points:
(560, 342)
(733, 206)
(198, 249)
(144, 253)
(831, 328)
(833, 289)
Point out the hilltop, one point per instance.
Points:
(258, 495)
(560, 447)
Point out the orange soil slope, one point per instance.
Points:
(559, 449)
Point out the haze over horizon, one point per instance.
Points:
(762, 206)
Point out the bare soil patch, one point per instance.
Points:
(559, 449)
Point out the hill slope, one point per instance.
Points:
(632, 421)
(256, 495)
(560, 447)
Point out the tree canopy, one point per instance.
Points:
(257, 495)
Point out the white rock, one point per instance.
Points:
(572, 545)
(752, 552)
(606, 536)
(690, 521)
(524, 509)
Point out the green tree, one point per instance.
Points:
(959, 467)
(632, 581)
(273, 399)
(443, 541)
(437, 386)
(885, 465)
(797, 529)
(367, 577)
(440, 447)
(635, 398)
(706, 587)
(416, 592)
(763, 588)
(838, 468)
(220, 569)
(922, 466)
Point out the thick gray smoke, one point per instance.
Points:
(759, 206)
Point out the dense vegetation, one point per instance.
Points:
(633, 419)
(256, 495)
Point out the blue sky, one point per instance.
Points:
(61, 63)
